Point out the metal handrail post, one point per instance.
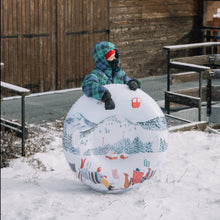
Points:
(167, 105)
(200, 95)
(209, 97)
(168, 70)
(23, 124)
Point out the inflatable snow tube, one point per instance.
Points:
(115, 150)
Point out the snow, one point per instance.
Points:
(187, 185)
(17, 89)
(218, 14)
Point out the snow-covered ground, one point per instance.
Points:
(187, 186)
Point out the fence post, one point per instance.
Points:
(200, 94)
(208, 37)
(209, 97)
(167, 104)
(215, 40)
(23, 124)
(22, 92)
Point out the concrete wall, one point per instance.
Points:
(192, 114)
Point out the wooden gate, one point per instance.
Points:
(28, 43)
(81, 24)
(47, 44)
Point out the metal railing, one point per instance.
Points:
(19, 129)
(205, 72)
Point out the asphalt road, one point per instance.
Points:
(51, 106)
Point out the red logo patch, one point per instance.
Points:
(136, 102)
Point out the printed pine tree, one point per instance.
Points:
(163, 145)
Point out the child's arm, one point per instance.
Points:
(92, 88)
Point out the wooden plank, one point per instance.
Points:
(87, 26)
(199, 60)
(80, 38)
(60, 42)
(4, 41)
(26, 43)
(40, 45)
(53, 41)
(73, 42)
(23, 43)
(192, 92)
(3, 18)
(69, 53)
(14, 43)
(19, 68)
(2, 65)
(32, 50)
(45, 54)
(8, 31)
(176, 78)
(50, 75)
(36, 47)
(15, 127)
(182, 99)
(90, 42)
(187, 77)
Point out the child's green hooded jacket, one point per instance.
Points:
(93, 84)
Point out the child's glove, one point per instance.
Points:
(133, 85)
(109, 103)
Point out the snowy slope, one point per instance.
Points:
(186, 187)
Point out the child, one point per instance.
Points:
(107, 71)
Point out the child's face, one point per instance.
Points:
(112, 57)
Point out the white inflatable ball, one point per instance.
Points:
(115, 150)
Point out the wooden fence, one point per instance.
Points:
(47, 44)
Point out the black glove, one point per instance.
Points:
(109, 103)
(133, 85)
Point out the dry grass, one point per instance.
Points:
(38, 139)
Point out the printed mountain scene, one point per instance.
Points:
(78, 122)
(82, 136)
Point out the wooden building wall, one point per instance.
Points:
(28, 43)
(47, 44)
(141, 28)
